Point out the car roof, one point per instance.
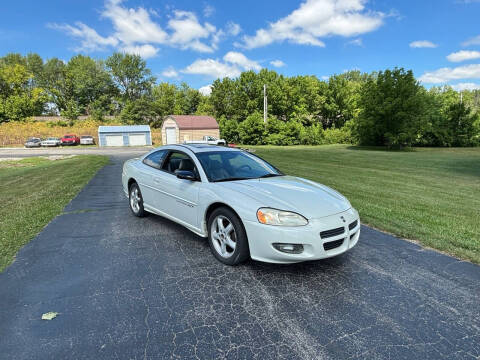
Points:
(198, 148)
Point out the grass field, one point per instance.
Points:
(35, 190)
(429, 195)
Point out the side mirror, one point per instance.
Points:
(186, 175)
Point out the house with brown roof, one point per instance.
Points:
(179, 128)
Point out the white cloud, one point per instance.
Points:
(472, 41)
(90, 39)
(145, 51)
(212, 68)
(463, 55)
(325, 77)
(315, 19)
(356, 42)
(187, 32)
(133, 25)
(466, 86)
(232, 65)
(135, 31)
(208, 10)
(241, 60)
(170, 72)
(446, 74)
(422, 44)
(205, 90)
(233, 28)
(277, 63)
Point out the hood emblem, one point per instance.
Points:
(343, 219)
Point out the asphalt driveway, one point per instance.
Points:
(134, 288)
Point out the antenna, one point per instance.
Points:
(265, 103)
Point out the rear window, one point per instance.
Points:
(155, 159)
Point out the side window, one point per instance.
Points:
(155, 159)
(179, 161)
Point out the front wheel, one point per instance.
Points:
(136, 201)
(227, 237)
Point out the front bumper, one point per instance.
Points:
(262, 237)
(87, 142)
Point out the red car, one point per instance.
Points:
(70, 139)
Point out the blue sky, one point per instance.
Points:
(198, 41)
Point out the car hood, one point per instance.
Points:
(308, 198)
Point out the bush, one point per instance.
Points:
(252, 130)
(338, 136)
(229, 130)
(313, 135)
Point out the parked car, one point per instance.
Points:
(33, 142)
(211, 140)
(87, 140)
(244, 205)
(70, 139)
(51, 141)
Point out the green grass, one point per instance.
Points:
(35, 190)
(429, 195)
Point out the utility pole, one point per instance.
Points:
(461, 97)
(265, 103)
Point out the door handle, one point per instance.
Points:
(156, 180)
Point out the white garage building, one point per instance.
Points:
(131, 135)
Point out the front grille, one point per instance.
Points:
(332, 232)
(332, 244)
(353, 225)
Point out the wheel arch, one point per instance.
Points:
(212, 207)
(130, 182)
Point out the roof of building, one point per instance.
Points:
(194, 122)
(123, 128)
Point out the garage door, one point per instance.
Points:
(171, 135)
(114, 140)
(137, 140)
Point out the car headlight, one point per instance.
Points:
(276, 217)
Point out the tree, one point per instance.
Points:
(461, 124)
(392, 109)
(89, 82)
(139, 111)
(131, 75)
(18, 99)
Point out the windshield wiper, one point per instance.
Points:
(269, 175)
(232, 179)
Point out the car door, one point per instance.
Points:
(181, 199)
(148, 173)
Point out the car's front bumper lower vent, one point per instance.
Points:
(332, 232)
(332, 244)
(353, 225)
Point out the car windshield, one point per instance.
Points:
(235, 165)
(52, 139)
(68, 136)
(86, 137)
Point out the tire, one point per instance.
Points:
(228, 244)
(135, 201)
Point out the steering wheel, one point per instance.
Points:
(245, 167)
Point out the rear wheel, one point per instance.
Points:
(227, 237)
(136, 201)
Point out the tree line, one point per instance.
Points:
(389, 108)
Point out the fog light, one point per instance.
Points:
(289, 248)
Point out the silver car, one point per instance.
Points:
(33, 142)
(51, 141)
(87, 140)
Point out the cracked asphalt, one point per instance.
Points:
(131, 288)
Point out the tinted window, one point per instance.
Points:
(155, 159)
(235, 165)
(179, 161)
